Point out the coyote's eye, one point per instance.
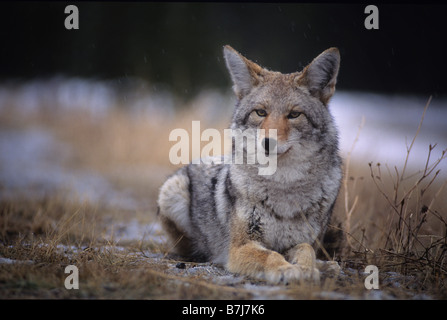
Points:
(261, 112)
(293, 114)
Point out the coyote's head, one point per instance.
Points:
(294, 104)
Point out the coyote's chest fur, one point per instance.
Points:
(250, 223)
(286, 214)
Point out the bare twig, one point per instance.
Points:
(348, 211)
(414, 139)
(355, 239)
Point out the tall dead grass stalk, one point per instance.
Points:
(350, 209)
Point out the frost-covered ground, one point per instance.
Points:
(218, 276)
(33, 162)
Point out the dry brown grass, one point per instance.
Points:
(396, 219)
(386, 216)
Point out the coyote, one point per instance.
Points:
(264, 226)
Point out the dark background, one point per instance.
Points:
(178, 46)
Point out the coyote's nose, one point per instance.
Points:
(269, 144)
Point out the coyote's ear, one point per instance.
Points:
(244, 73)
(321, 74)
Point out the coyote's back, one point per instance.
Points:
(263, 226)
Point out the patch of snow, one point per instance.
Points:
(133, 230)
(11, 261)
(332, 295)
(390, 125)
(32, 162)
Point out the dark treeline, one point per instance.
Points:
(179, 45)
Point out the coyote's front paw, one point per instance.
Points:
(310, 273)
(329, 268)
(292, 274)
(284, 274)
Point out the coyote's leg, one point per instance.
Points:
(179, 242)
(249, 257)
(173, 203)
(253, 260)
(303, 255)
(329, 268)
